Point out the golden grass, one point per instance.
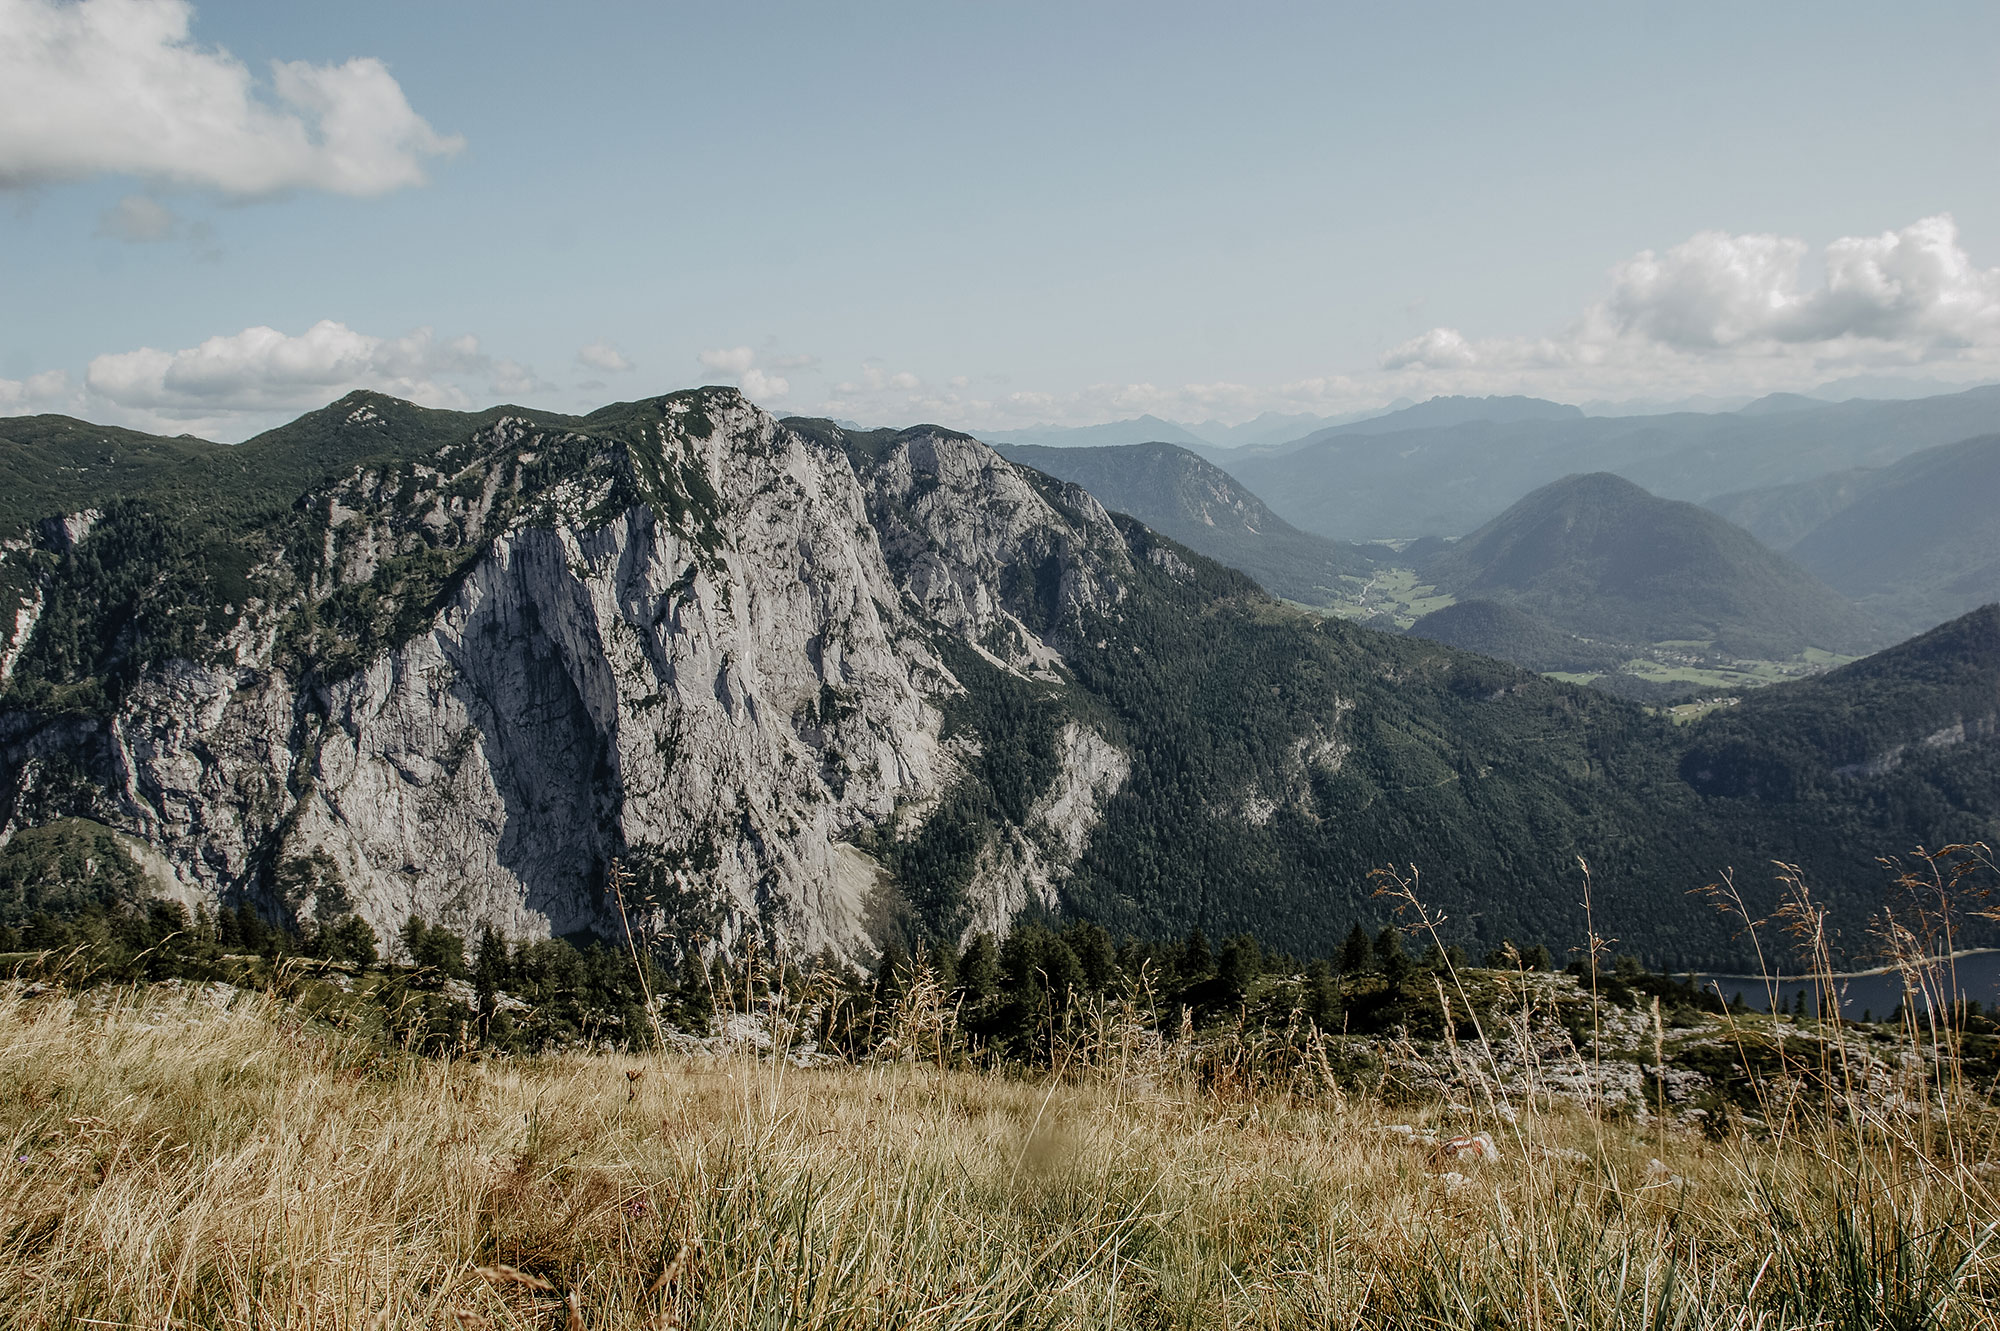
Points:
(172, 1165)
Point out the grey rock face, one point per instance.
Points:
(984, 550)
(718, 684)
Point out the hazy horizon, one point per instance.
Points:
(1042, 216)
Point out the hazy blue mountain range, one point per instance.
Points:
(1182, 495)
(828, 688)
(1139, 430)
(1442, 412)
(1916, 542)
(1358, 483)
(1272, 427)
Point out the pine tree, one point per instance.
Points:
(979, 971)
(1236, 970)
(1197, 961)
(1394, 961)
(1356, 953)
(1322, 1004)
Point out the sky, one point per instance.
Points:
(215, 216)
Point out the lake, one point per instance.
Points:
(1872, 993)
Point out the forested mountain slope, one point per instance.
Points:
(1494, 628)
(1186, 497)
(1915, 543)
(827, 688)
(1598, 556)
(1925, 704)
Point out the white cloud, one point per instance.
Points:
(138, 219)
(118, 87)
(47, 391)
(1916, 286)
(1440, 348)
(261, 369)
(728, 360)
(1741, 313)
(740, 363)
(601, 355)
(513, 380)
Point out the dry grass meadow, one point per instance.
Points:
(175, 1162)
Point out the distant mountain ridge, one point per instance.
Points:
(1445, 480)
(1596, 555)
(1271, 427)
(1180, 494)
(1443, 412)
(1917, 542)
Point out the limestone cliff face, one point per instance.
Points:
(704, 644)
(987, 549)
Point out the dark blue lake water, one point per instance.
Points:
(1975, 975)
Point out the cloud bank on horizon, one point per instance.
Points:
(1717, 303)
(1716, 314)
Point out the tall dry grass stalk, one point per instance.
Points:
(176, 1165)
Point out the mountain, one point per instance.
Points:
(1140, 430)
(1781, 515)
(1927, 702)
(1448, 479)
(1598, 556)
(1186, 497)
(1271, 427)
(1778, 404)
(1276, 427)
(1917, 542)
(1890, 387)
(1494, 628)
(1442, 412)
(828, 689)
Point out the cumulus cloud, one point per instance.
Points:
(1916, 286)
(1440, 348)
(261, 369)
(601, 355)
(740, 364)
(119, 87)
(46, 391)
(728, 360)
(1732, 313)
(511, 379)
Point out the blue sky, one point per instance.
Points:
(986, 215)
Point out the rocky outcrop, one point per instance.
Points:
(700, 643)
(1002, 556)
(1027, 864)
